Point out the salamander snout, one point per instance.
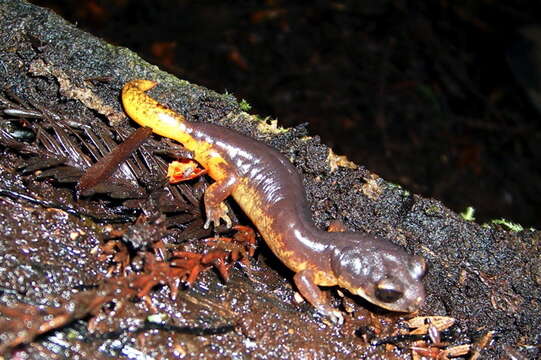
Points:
(390, 289)
(382, 273)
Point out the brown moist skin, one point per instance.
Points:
(269, 190)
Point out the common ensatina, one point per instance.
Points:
(269, 190)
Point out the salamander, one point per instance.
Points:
(269, 189)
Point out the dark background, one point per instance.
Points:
(419, 92)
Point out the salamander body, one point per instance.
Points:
(269, 190)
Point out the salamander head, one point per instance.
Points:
(380, 272)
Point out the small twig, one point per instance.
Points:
(70, 210)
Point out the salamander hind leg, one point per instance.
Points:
(304, 280)
(215, 194)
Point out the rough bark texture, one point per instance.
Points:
(487, 278)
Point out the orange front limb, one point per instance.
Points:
(214, 197)
(305, 281)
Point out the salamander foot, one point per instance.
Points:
(215, 213)
(332, 314)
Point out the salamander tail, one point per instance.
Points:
(148, 112)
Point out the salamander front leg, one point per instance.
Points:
(305, 281)
(215, 194)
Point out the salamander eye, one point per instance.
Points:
(417, 267)
(388, 291)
